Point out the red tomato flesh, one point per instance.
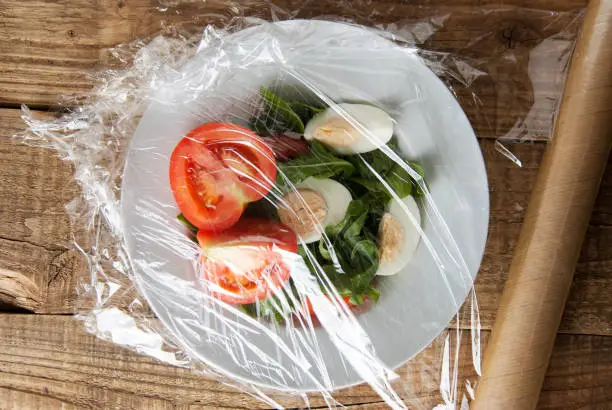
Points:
(243, 152)
(216, 170)
(243, 264)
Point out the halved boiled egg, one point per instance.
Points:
(398, 236)
(313, 205)
(351, 128)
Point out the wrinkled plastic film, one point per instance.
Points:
(257, 302)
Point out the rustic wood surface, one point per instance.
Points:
(47, 50)
(47, 361)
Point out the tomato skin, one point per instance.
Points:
(216, 170)
(242, 265)
(221, 184)
(242, 151)
(253, 230)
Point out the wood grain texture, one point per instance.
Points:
(34, 227)
(48, 362)
(48, 47)
(36, 233)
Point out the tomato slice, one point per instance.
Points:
(243, 264)
(216, 170)
(242, 151)
(207, 193)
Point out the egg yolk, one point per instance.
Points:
(336, 132)
(390, 237)
(302, 211)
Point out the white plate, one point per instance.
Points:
(347, 63)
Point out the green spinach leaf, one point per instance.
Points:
(355, 249)
(319, 163)
(277, 116)
(305, 111)
(400, 181)
(369, 163)
(266, 308)
(372, 166)
(261, 127)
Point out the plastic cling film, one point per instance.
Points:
(292, 207)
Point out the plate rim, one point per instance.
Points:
(219, 368)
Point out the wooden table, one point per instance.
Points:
(48, 361)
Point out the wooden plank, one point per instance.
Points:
(585, 362)
(47, 47)
(21, 283)
(14, 399)
(51, 355)
(35, 190)
(35, 229)
(48, 361)
(35, 233)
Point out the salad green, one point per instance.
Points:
(279, 115)
(349, 253)
(319, 163)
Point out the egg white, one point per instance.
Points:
(411, 235)
(378, 126)
(337, 199)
